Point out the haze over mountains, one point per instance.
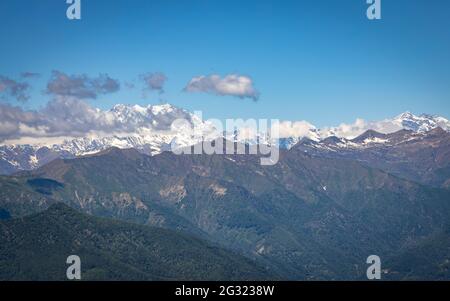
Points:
(148, 130)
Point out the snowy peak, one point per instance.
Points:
(367, 133)
(152, 117)
(130, 111)
(148, 129)
(421, 123)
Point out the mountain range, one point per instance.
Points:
(317, 214)
(423, 157)
(149, 132)
(307, 217)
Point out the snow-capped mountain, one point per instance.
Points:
(423, 156)
(422, 123)
(152, 129)
(346, 132)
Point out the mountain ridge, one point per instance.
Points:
(148, 129)
(36, 247)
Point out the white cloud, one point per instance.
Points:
(357, 128)
(295, 129)
(68, 117)
(230, 85)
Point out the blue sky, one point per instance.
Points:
(316, 60)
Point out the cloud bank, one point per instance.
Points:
(81, 86)
(357, 128)
(230, 85)
(68, 117)
(296, 129)
(10, 88)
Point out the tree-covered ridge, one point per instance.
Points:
(36, 248)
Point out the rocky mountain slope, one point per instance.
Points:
(423, 157)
